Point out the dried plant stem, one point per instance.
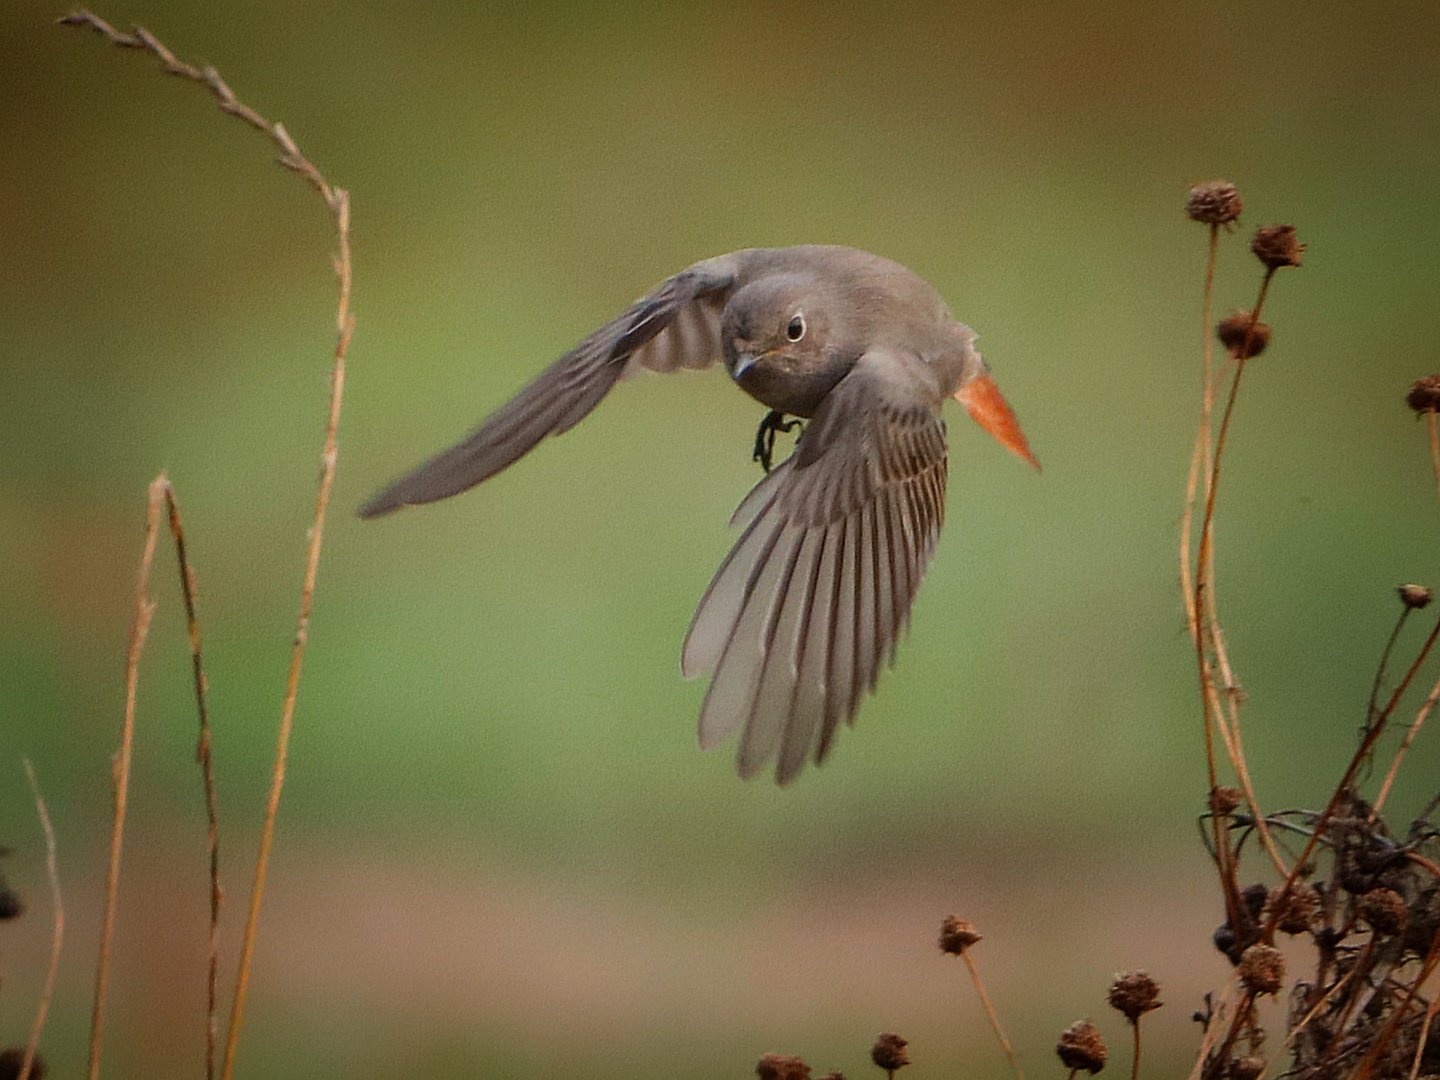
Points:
(1205, 623)
(338, 202)
(1430, 1011)
(1135, 1057)
(1382, 1041)
(57, 934)
(144, 610)
(207, 775)
(1434, 446)
(1425, 710)
(993, 1016)
(1212, 1028)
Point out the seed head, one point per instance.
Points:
(1248, 1068)
(1424, 394)
(782, 1067)
(11, 906)
(1262, 969)
(1234, 331)
(1385, 911)
(1415, 596)
(1134, 994)
(1214, 203)
(957, 935)
(12, 1060)
(889, 1051)
(1296, 910)
(1080, 1047)
(1276, 246)
(1224, 799)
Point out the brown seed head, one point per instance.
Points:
(11, 906)
(1415, 596)
(1214, 203)
(1295, 912)
(957, 935)
(1276, 246)
(1385, 911)
(889, 1051)
(1262, 969)
(1234, 332)
(1224, 799)
(782, 1067)
(1424, 394)
(1080, 1047)
(12, 1059)
(1134, 994)
(1248, 1068)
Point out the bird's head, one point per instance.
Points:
(783, 343)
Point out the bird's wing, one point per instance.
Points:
(676, 326)
(810, 601)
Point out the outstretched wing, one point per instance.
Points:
(676, 326)
(811, 600)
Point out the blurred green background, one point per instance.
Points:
(500, 851)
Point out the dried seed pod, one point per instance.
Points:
(889, 1051)
(1248, 1068)
(1276, 246)
(1223, 800)
(1424, 394)
(1236, 334)
(1134, 994)
(1217, 202)
(1415, 596)
(1295, 911)
(1385, 910)
(957, 935)
(1080, 1047)
(1262, 969)
(782, 1067)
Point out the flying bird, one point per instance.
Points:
(809, 604)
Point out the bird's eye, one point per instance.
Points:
(796, 330)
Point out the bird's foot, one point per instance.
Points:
(765, 437)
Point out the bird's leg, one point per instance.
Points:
(765, 437)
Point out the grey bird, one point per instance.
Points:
(809, 604)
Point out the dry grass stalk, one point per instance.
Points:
(144, 610)
(337, 200)
(205, 758)
(57, 933)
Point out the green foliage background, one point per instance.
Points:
(500, 851)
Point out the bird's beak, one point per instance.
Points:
(988, 408)
(743, 363)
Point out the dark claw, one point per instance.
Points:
(765, 437)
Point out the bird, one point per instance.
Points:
(811, 601)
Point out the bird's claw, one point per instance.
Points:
(765, 437)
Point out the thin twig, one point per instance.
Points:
(993, 1015)
(206, 761)
(338, 201)
(1135, 1058)
(1425, 710)
(57, 935)
(1434, 446)
(139, 628)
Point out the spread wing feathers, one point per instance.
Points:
(676, 326)
(810, 602)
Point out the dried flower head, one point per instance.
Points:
(12, 1060)
(1415, 596)
(1247, 1068)
(957, 935)
(889, 1051)
(1294, 912)
(1224, 799)
(11, 906)
(782, 1067)
(1424, 394)
(1385, 911)
(1276, 246)
(1134, 994)
(1080, 1047)
(1262, 969)
(1236, 334)
(1215, 203)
